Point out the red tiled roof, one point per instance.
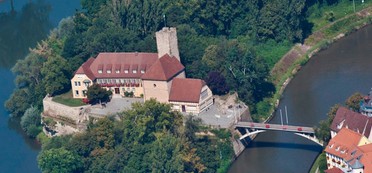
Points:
(164, 69)
(126, 61)
(84, 69)
(186, 90)
(333, 170)
(344, 143)
(351, 120)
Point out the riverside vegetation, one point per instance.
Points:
(233, 45)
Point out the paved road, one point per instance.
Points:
(277, 127)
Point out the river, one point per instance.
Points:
(22, 24)
(330, 77)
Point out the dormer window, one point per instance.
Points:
(134, 71)
(108, 71)
(331, 146)
(126, 71)
(142, 71)
(99, 71)
(338, 148)
(117, 71)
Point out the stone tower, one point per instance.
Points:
(166, 41)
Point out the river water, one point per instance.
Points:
(22, 24)
(328, 78)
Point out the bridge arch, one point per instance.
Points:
(256, 128)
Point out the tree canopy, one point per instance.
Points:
(97, 94)
(148, 138)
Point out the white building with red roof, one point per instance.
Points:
(149, 75)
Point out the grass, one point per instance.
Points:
(68, 100)
(271, 51)
(319, 162)
(318, 14)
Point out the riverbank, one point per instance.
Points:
(299, 55)
(287, 67)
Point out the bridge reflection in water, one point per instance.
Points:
(252, 128)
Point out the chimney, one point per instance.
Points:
(166, 42)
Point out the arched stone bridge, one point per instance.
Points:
(255, 128)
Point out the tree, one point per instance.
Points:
(217, 83)
(96, 94)
(353, 102)
(59, 160)
(55, 75)
(31, 122)
(192, 125)
(166, 154)
(145, 120)
(323, 131)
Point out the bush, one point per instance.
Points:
(128, 94)
(31, 122)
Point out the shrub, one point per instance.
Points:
(31, 122)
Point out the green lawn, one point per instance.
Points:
(68, 100)
(272, 51)
(318, 14)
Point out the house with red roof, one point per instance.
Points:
(149, 75)
(357, 122)
(349, 151)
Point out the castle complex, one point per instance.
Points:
(149, 75)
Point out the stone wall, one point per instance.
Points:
(57, 110)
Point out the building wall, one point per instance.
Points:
(205, 101)
(166, 42)
(137, 91)
(333, 134)
(156, 89)
(334, 161)
(189, 107)
(363, 141)
(78, 85)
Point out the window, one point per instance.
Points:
(204, 94)
(79, 83)
(108, 71)
(142, 71)
(77, 92)
(134, 71)
(76, 83)
(86, 84)
(84, 93)
(117, 71)
(133, 89)
(99, 71)
(126, 71)
(154, 85)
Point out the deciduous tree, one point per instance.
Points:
(59, 160)
(96, 94)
